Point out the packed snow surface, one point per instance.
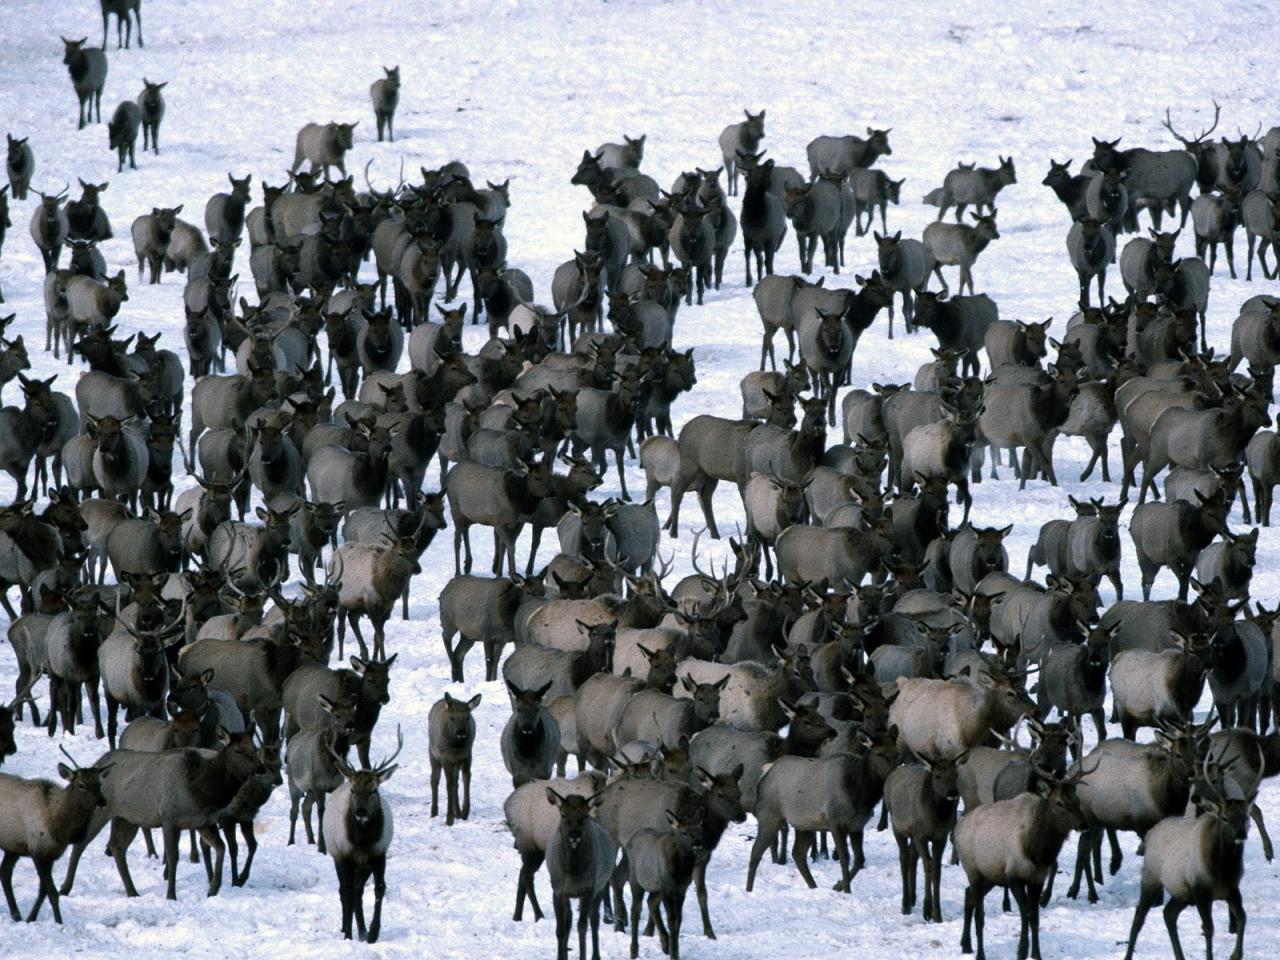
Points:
(519, 90)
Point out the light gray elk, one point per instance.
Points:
(954, 244)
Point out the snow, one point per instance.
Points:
(519, 90)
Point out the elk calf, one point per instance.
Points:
(385, 94)
(122, 133)
(88, 69)
(20, 163)
(580, 859)
(741, 137)
(531, 739)
(323, 146)
(955, 244)
(452, 733)
(151, 100)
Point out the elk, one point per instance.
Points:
(742, 137)
(358, 825)
(370, 578)
(921, 800)
(957, 244)
(322, 146)
(580, 859)
(966, 185)
(88, 69)
(41, 821)
(1014, 844)
(451, 732)
(1197, 861)
(531, 738)
(385, 94)
(151, 100)
(662, 864)
(312, 772)
(186, 789)
(122, 10)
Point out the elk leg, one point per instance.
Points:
(44, 869)
(308, 802)
(618, 881)
(451, 794)
(1147, 898)
(360, 876)
(1019, 891)
(466, 789)
(379, 866)
(1116, 856)
(320, 822)
(492, 654)
(705, 494)
(212, 838)
(171, 837)
(354, 618)
(1235, 907)
(635, 919)
(55, 691)
(980, 920)
(923, 856)
(345, 878)
(622, 482)
(435, 788)
(904, 866)
(765, 834)
(238, 878)
(6, 881)
(966, 942)
(1171, 911)
(840, 838)
(532, 862)
(800, 856)
(700, 887)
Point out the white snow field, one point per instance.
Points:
(519, 90)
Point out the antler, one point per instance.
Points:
(1168, 124)
(664, 568)
(386, 764)
(160, 632)
(333, 573)
(69, 757)
(697, 569)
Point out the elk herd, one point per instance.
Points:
(860, 654)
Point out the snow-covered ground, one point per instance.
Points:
(519, 90)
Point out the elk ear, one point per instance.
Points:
(223, 736)
(473, 702)
(65, 772)
(206, 677)
(554, 798)
(722, 682)
(688, 683)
